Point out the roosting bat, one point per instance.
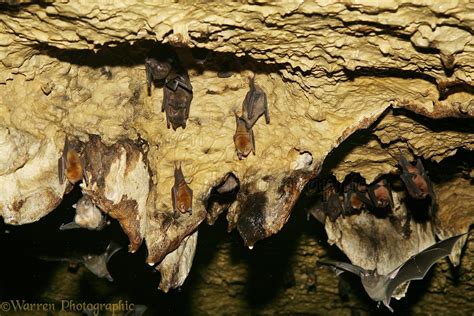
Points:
(416, 179)
(71, 165)
(355, 198)
(380, 287)
(181, 193)
(255, 104)
(177, 97)
(87, 216)
(243, 138)
(333, 206)
(380, 194)
(96, 264)
(156, 70)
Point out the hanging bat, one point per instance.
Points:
(177, 97)
(71, 165)
(156, 70)
(87, 216)
(355, 198)
(333, 207)
(243, 138)
(416, 179)
(380, 287)
(380, 194)
(181, 193)
(255, 104)
(96, 264)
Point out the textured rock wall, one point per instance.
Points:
(400, 68)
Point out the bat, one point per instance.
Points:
(181, 193)
(228, 184)
(71, 165)
(255, 104)
(97, 264)
(328, 200)
(87, 216)
(380, 287)
(156, 70)
(416, 179)
(380, 194)
(333, 206)
(243, 138)
(355, 198)
(177, 97)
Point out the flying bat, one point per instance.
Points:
(96, 264)
(380, 287)
(181, 193)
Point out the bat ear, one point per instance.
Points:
(419, 166)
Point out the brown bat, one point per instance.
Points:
(380, 194)
(181, 193)
(255, 104)
(416, 179)
(177, 97)
(243, 138)
(71, 165)
(355, 198)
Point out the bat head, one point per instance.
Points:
(158, 69)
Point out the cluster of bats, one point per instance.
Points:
(178, 93)
(355, 195)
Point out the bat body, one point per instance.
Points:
(97, 264)
(243, 138)
(255, 104)
(70, 165)
(355, 198)
(416, 179)
(181, 193)
(380, 194)
(87, 216)
(156, 70)
(381, 287)
(177, 97)
(333, 207)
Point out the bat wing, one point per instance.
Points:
(340, 267)
(70, 225)
(265, 107)
(149, 76)
(174, 195)
(410, 185)
(62, 162)
(417, 266)
(252, 140)
(363, 198)
(112, 248)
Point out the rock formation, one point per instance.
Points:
(348, 83)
